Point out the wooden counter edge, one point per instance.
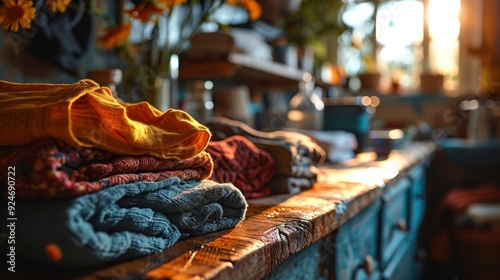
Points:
(280, 226)
(275, 228)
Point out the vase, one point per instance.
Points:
(152, 56)
(110, 78)
(156, 85)
(160, 68)
(306, 107)
(159, 90)
(165, 92)
(198, 101)
(159, 94)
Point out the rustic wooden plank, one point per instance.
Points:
(237, 68)
(277, 227)
(273, 233)
(288, 218)
(207, 69)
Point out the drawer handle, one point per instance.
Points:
(401, 225)
(368, 265)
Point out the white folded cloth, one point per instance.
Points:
(339, 145)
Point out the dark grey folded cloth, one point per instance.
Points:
(124, 221)
(293, 152)
(339, 145)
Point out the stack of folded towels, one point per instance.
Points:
(295, 154)
(99, 180)
(237, 160)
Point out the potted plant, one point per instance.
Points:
(312, 27)
(369, 77)
(431, 82)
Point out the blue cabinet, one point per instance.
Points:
(417, 196)
(302, 265)
(403, 264)
(381, 241)
(356, 246)
(393, 219)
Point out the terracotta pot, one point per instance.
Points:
(370, 81)
(431, 83)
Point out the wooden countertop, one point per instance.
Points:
(275, 227)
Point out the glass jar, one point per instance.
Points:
(306, 106)
(110, 78)
(198, 102)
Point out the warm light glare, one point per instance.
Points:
(307, 77)
(365, 100)
(396, 134)
(443, 21)
(387, 134)
(399, 32)
(373, 101)
(399, 23)
(331, 74)
(295, 115)
(398, 27)
(444, 30)
(469, 105)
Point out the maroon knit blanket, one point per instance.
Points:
(50, 168)
(237, 160)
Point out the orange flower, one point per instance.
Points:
(167, 4)
(57, 5)
(16, 12)
(145, 11)
(53, 252)
(115, 36)
(253, 8)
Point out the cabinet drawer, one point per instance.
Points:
(394, 219)
(417, 196)
(302, 265)
(401, 264)
(356, 246)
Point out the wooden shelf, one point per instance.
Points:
(244, 69)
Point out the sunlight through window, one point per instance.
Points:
(391, 34)
(444, 29)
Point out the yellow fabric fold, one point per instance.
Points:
(85, 114)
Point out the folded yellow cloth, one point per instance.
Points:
(88, 115)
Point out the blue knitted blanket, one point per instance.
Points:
(124, 221)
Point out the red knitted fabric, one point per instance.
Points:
(237, 160)
(50, 168)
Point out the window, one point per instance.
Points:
(392, 38)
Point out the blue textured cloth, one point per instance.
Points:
(125, 221)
